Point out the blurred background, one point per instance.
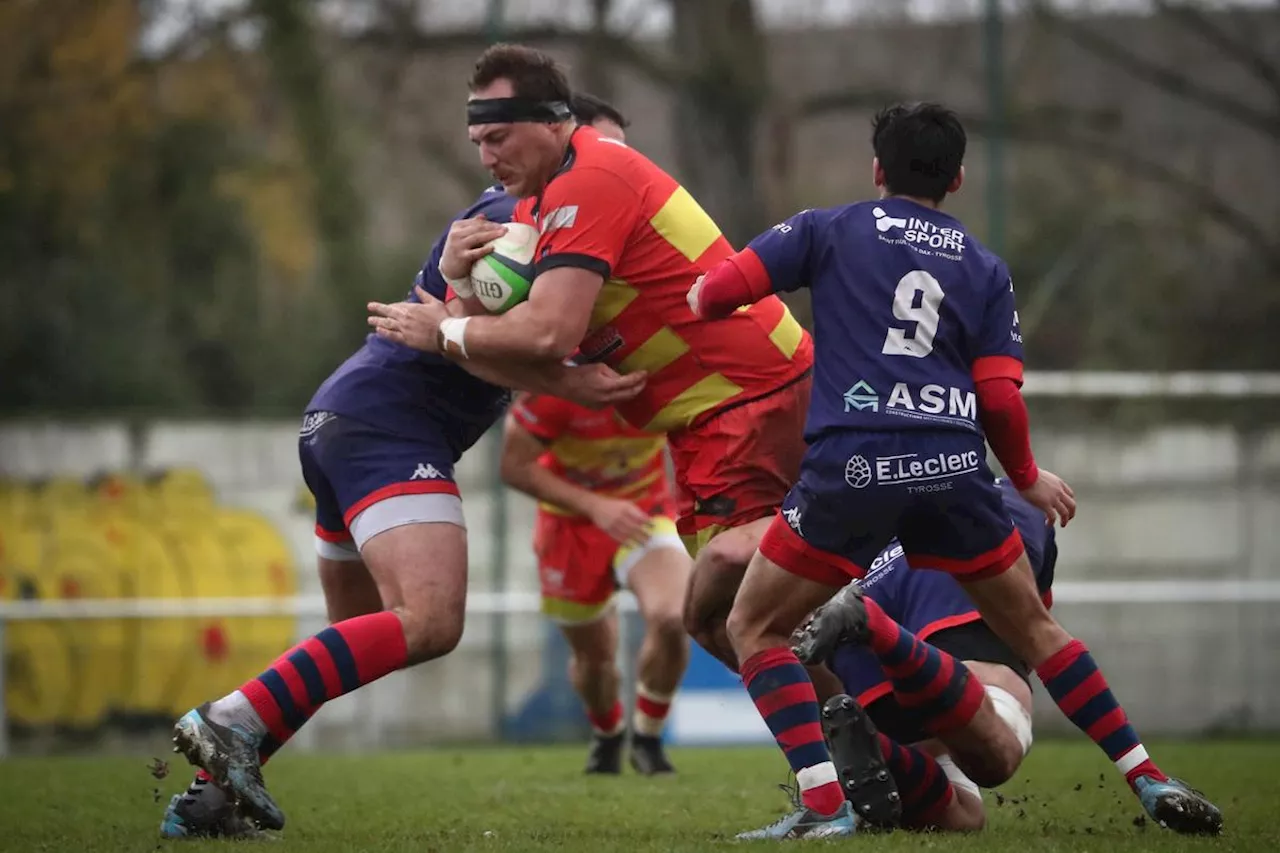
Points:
(197, 197)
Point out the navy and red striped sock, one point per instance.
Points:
(922, 676)
(923, 786)
(1073, 679)
(338, 660)
(784, 696)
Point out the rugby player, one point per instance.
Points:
(605, 521)
(621, 242)
(378, 446)
(931, 610)
(920, 357)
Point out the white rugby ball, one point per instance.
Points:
(503, 277)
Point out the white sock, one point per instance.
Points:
(647, 724)
(234, 709)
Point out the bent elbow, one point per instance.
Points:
(555, 344)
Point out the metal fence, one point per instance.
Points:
(1170, 573)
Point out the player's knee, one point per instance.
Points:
(995, 767)
(717, 574)
(742, 624)
(430, 635)
(591, 667)
(667, 627)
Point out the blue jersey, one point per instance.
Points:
(905, 303)
(402, 391)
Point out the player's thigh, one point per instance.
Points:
(349, 589)
(575, 569)
(403, 514)
(1011, 606)
(718, 570)
(771, 602)
(657, 572)
(1003, 677)
(735, 467)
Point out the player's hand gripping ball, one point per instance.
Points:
(502, 278)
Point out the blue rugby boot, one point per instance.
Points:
(1177, 806)
(230, 755)
(804, 822)
(204, 811)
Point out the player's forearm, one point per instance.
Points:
(541, 484)
(540, 377)
(739, 280)
(518, 334)
(1004, 418)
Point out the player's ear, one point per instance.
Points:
(954, 186)
(877, 173)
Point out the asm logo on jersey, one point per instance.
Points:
(930, 403)
(934, 403)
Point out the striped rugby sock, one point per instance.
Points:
(1073, 679)
(924, 677)
(784, 696)
(338, 660)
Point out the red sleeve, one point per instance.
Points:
(586, 215)
(740, 279)
(1004, 419)
(997, 367)
(542, 416)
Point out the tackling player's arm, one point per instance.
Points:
(531, 425)
(588, 214)
(593, 385)
(997, 380)
(775, 261)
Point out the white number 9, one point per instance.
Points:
(925, 317)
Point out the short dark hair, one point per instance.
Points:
(588, 109)
(920, 147)
(533, 74)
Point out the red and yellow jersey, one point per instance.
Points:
(610, 210)
(597, 450)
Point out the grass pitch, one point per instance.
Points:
(1067, 798)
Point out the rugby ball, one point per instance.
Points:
(503, 277)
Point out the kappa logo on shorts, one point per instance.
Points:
(857, 472)
(426, 472)
(792, 517)
(312, 421)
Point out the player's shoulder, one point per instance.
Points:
(600, 159)
(495, 203)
